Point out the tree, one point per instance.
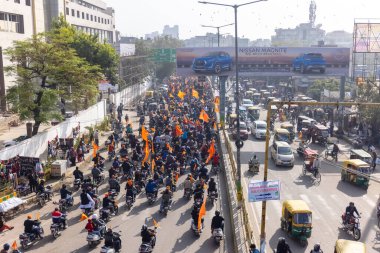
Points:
(43, 72)
(315, 90)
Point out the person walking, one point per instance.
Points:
(374, 158)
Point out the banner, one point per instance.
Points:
(263, 190)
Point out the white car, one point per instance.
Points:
(247, 103)
(259, 129)
(282, 154)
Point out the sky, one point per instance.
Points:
(259, 20)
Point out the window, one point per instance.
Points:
(78, 14)
(73, 12)
(10, 22)
(27, 2)
(102, 21)
(87, 16)
(17, 1)
(83, 15)
(98, 19)
(67, 11)
(91, 17)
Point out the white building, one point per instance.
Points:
(19, 19)
(152, 35)
(89, 16)
(171, 31)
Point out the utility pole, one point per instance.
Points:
(218, 30)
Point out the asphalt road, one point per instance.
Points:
(173, 235)
(327, 200)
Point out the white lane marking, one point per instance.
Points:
(327, 206)
(316, 216)
(369, 201)
(305, 198)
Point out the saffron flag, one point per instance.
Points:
(95, 149)
(214, 126)
(144, 133)
(14, 245)
(202, 213)
(83, 217)
(216, 108)
(146, 152)
(181, 94)
(170, 148)
(211, 151)
(155, 223)
(203, 116)
(153, 166)
(195, 93)
(176, 177)
(178, 131)
(217, 100)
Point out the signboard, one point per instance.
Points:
(264, 61)
(263, 190)
(164, 55)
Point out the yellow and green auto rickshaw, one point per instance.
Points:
(256, 98)
(254, 113)
(361, 154)
(347, 246)
(281, 134)
(296, 220)
(356, 172)
(288, 126)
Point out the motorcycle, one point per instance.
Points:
(138, 187)
(56, 228)
(215, 169)
(105, 213)
(197, 231)
(43, 197)
(166, 207)
(217, 234)
(352, 226)
(94, 239)
(253, 166)
(112, 194)
(212, 197)
(115, 248)
(187, 193)
(77, 184)
(148, 247)
(151, 198)
(28, 239)
(64, 205)
(128, 202)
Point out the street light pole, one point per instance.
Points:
(218, 29)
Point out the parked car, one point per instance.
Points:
(259, 129)
(309, 62)
(243, 131)
(214, 62)
(282, 154)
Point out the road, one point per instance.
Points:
(174, 234)
(327, 200)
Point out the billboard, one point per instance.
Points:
(263, 190)
(264, 61)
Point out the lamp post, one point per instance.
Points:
(239, 143)
(218, 29)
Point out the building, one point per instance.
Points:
(89, 16)
(260, 43)
(171, 31)
(126, 46)
(19, 20)
(152, 35)
(211, 40)
(339, 38)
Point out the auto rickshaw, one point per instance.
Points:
(296, 220)
(248, 94)
(281, 134)
(253, 113)
(356, 172)
(361, 154)
(231, 120)
(152, 107)
(319, 114)
(347, 246)
(256, 98)
(320, 134)
(288, 126)
(273, 110)
(243, 113)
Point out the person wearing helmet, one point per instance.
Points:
(317, 249)
(5, 249)
(212, 187)
(99, 227)
(148, 236)
(283, 246)
(29, 227)
(350, 211)
(217, 222)
(151, 187)
(166, 198)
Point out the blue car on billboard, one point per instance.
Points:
(214, 62)
(309, 62)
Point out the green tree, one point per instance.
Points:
(43, 72)
(315, 90)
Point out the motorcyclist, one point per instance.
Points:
(86, 201)
(113, 172)
(30, 227)
(166, 198)
(127, 167)
(283, 246)
(109, 204)
(188, 184)
(96, 174)
(111, 241)
(215, 160)
(316, 249)
(41, 187)
(198, 192)
(78, 174)
(66, 195)
(335, 150)
(151, 187)
(5, 249)
(148, 236)
(302, 146)
(203, 172)
(130, 189)
(350, 211)
(195, 216)
(211, 186)
(116, 163)
(98, 226)
(217, 222)
(253, 162)
(114, 184)
(139, 179)
(58, 218)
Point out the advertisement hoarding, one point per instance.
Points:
(264, 61)
(263, 190)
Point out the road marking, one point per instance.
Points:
(370, 202)
(305, 198)
(327, 206)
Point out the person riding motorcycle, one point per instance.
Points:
(58, 218)
(66, 195)
(188, 184)
(217, 222)
(283, 246)
(108, 204)
(148, 236)
(5, 249)
(253, 162)
(130, 189)
(316, 249)
(350, 211)
(335, 150)
(98, 226)
(212, 186)
(86, 201)
(41, 188)
(114, 184)
(198, 192)
(151, 187)
(29, 227)
(302, 146)
(112, 241)
(78, 174)
(166, 198)
(96, 174)
(195, 215)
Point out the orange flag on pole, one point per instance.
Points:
(217, 100)
(144, 133)
(170, 148)
(155, 223)
(211, 151)
(178, 131)
(195, 93)
(203, 116)
(216, 108)
(153, 166)
(146, 152)
(202, 213)
(214, 126)
(181, 94)
(95, 149)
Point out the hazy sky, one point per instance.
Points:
(138, 17)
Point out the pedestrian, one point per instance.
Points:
(252, 249)
(32, 182)
(374, 158)
(96, 137)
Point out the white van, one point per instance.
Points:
(282, 154)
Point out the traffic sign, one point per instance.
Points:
(263, 190)
(164, 55)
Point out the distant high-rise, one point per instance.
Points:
(171, 31)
